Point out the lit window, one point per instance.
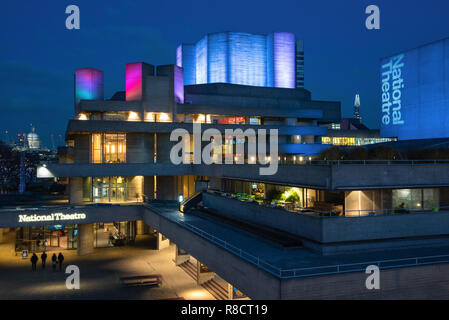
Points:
(133, 116)
(150, 117)
(164, 117)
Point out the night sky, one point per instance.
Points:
(38, 55)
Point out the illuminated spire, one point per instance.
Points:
(357, 115)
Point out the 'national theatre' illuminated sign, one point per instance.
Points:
(57, 216)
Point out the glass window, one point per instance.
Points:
(97, 156)
(109, 189)
(108, 148)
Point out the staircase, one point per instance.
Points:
(191, 202)
(212, 286)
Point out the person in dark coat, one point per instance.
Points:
(34, 259)
(43, 259)
(60, 260)
(53, 261)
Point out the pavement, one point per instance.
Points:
(99, 275)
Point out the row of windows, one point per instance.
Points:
(352, 141)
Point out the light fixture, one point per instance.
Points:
(133, 116)
(150, 117)
(163, 117)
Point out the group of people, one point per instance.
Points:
(54, 261)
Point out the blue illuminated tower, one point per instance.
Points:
(240, 58)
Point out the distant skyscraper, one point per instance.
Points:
(241, 58)
(357, 115)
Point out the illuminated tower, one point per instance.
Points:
(265, 60)
(357, 115)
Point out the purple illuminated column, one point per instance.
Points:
(179, 84)
(89, 84)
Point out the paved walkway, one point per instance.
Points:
(100, 273)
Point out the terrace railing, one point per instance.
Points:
(309, 271)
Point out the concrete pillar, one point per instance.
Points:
(148, 188)
(162, 242)
(85, 238)
(139, 147)
(135, 188)
(76, 190)
(181, 256)
(204, 274)
(163, 147)
(167, 188)
(140, 227)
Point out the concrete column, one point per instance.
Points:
(85, 238)
(148, 187)
(181, 256)
(140, 227)
(163, 147)
(203, 275)
(162, 242)
(76, 190)
(167, 188)
(135, 188)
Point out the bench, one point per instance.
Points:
(146, 280)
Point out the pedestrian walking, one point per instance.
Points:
(60, 260)
(34, 259)
(53, 261)
(43, 259)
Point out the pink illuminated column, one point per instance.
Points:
(134, 81)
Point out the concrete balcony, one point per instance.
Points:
(89, 126)
(340, 234)
(328, 176)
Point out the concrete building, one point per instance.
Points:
(308, 224)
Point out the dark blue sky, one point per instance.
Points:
(38, 54)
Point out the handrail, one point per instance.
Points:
(310, 271)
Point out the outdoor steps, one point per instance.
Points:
(216, 290)
(189, 268)
(212, 286)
